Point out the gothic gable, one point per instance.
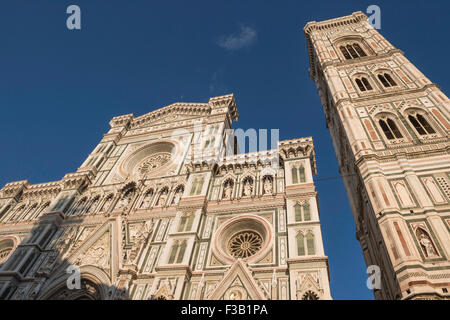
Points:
(237, 284)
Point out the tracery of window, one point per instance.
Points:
(309, 295)
(153, 162)
(363, 84)
(420, 124)
(302, 212)
(245, 244)
(186, 222)
(387, 80)
(197, 186)
(298, 174)
(352, 51)
(390, 129)
(177, 252)
(305, 245)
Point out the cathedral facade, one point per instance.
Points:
(390, 129)
(166, 208)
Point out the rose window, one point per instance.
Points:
(245, 244)
(153, 162)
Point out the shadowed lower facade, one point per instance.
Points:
(160, 210)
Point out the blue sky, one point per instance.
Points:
(60, 88)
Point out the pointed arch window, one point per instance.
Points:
(421, 124)
(186, 222)
(294, 175)
(390, 129)
(302, 212)
(359, 50)
(177, 252)
(306, 212)
(363, 84)
(181, 252)
(302, 174)
(352, 51)
(173, 252)
(300, 244)
(298, 212)
(387, 80)
(305, 244)
(310, 243)
(298, 174)
(197, 186)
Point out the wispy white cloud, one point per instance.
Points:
(217, 85)
(244, 38)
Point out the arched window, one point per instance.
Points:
(345, 53)
(177, 252)
(302, 174)
(300, 244)
(197, 186)
(294, 175)
(363, 84)
(306, 212)
(352, 51)
(390, 129)
(387, 80)
(310, 243)
(421, 124)
(366, 83)
(359, 50)
(173, 253)
(186, 222)
(181, 252)
(298, 212)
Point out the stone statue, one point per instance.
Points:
(147, 200)
(268, 187)
(162, 198)
(427, 245)
(227, 192)
(248, 188)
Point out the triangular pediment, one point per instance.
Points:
(238, 284)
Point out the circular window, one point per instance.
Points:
(153, 162)
(245, 244)
(247, 237)
(155, 158)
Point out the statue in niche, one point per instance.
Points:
(268, 185)
(178, 194)
(147, 200)
(228, 190)
(162, 197)
(126, 199)
(248, 187)
(426, 243)
(107, 203)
